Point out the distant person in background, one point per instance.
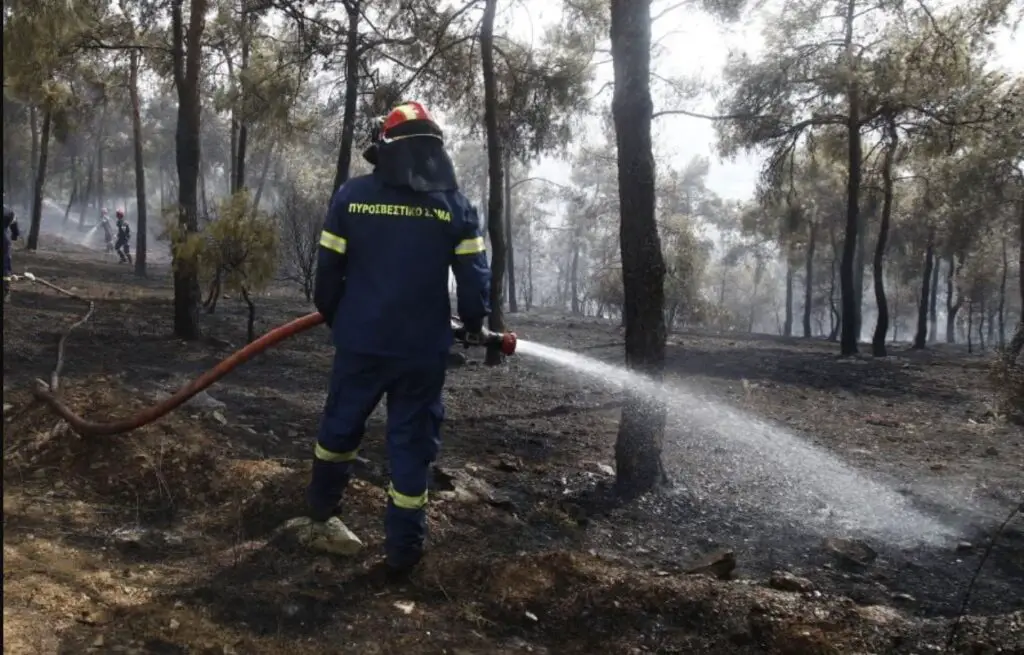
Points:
(10, 227)
(124, 233)
(108, 233)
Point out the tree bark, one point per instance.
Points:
(642, 427)
(187, 62)
(348, 121)
(921, 337)
(37, 192)
(1001, 311)
(242, 143)
(140, 167)
(933, 321)
(812, 239)
(851, 312)
(954, 265)
(101, 190)
(30, 188)
(787, 326)
(510, 242)
(877, 271)
(495, 200)
(1017, 343)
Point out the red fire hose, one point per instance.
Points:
(505, 342)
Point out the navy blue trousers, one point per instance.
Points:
(8, 268)
(414, 416)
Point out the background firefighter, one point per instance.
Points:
(388, 242)
(124, 234)
(108, 233)
(11, 233)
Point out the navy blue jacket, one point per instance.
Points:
(382, 273)
(10, 223)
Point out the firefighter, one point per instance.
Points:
(124, 233)
(10, 228)
(108, 234)
(387, 245)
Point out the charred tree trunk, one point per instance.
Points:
(970, 327)
(1017, 343)
(851, 311)
(921, 337)
(529, 266)
(73, 198)
(642, 427)
(952, 307)
(812, 239)
(37, 192)
(101, 190)
(264, 171)
(30, 188)
(933, 321)
(83, 205)
(787, 326)
(348, 121)
(243, 128)
(187, 62)
(1001, 311)
(877, 272)
(140, 167)
(574, 275)
(495, 200)
(510, 242)
(250, 322)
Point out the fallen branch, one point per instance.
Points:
(951, 640)
(55, 375)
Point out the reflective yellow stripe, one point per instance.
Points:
(407, 502)
(325, 455)
(333, 242)
(470, 246)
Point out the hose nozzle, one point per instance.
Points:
(503, 341)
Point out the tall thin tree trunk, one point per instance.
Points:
(187, 60)
(348, 121)
(510, 242)
(241, 152)
(264, 171)
(812, 239)
(141, 225)
(954, 264)
(787, 327)
(37, 195)
(851, 312)
(30, 189)
(1002, 296)
(642, 426)
(877, 271)
(933, 320)
(921, 337)
(495, 201)
(1017, 343)
(101, 136)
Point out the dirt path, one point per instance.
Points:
(162, 541)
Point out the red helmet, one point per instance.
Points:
(120, 213)
(408, 119)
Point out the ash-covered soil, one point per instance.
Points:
(162, 540)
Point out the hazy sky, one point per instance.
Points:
(694, 45)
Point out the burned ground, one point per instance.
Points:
(163, 540)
